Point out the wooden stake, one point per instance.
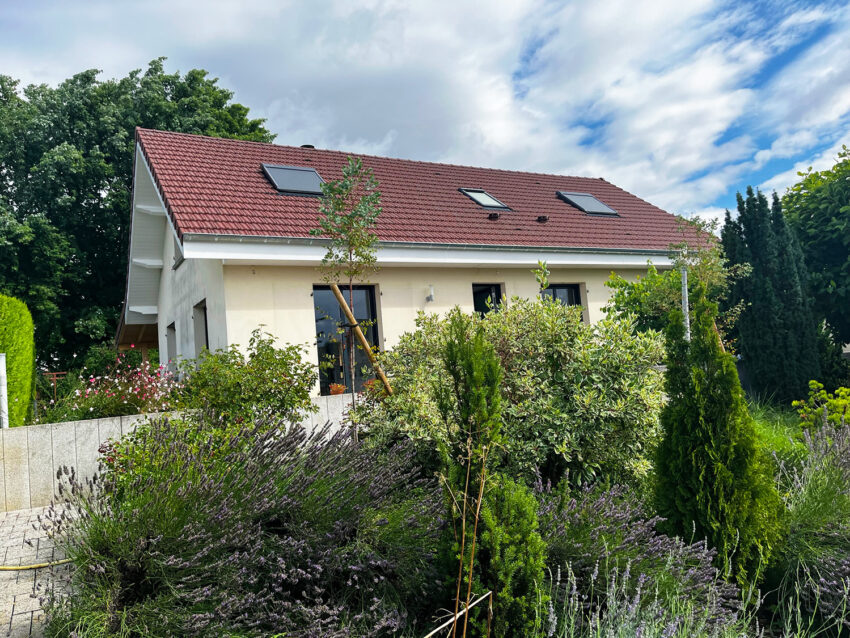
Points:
(361, 338)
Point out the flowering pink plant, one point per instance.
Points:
(123, 389)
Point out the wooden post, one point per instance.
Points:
(361, 338)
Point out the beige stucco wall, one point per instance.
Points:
(279, 297)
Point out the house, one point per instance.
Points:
(220, 244)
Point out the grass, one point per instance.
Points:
(779, 431)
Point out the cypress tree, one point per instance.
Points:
(713, 481)
(777, 332)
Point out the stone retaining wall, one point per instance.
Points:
(31, 455)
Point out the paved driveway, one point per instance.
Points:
(20, 612)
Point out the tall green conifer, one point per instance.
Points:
(777, 332)
(713, 481)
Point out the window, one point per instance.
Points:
(171, 346)
(332, 336)
(587, 203)
(483, 198)
(486, 297)
(199, 324)
(567, 294)
(295, 180)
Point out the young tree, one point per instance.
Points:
(350, 209)
(777, 332)
(818, 210)
(712, 479)
(65, 192)
(650, 298)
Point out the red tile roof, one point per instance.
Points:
(217, 186)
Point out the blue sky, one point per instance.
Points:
(682, 103)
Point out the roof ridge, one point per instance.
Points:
(367, 155)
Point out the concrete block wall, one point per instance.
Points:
(30, 456)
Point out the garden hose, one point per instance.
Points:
(17, 568)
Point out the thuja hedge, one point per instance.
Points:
(16, 340)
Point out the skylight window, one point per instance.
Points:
(483, 198)
(587, 203)
(297, 180)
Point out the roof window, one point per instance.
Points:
(296, 180)
(483, 198)
(586, 203)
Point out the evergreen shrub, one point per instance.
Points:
(17, 341)
(713, 482)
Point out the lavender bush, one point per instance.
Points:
(607, 533)
(812, 575)
(269, 532)
(616, 609)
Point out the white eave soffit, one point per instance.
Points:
(246, 251)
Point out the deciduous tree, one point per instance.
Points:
(66, 162)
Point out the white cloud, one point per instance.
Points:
(664, 98)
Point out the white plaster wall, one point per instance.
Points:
(279, 297)
(180, 290)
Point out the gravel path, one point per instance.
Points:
(21, 544)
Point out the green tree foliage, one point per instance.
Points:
(651, 298)
(66, 160)
(349, 211)
(818, 209)
(712, 480)
(776, 332)
(16, 340)
(575, 397)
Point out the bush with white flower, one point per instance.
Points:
(124, 388)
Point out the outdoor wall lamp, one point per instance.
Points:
(430, 297)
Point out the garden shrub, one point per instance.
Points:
(712, 481)
(824, 408)
(264, 532)
(123, 389)
(490, 513)
(267, 383)
(576, 397)
(811, 573)
(606, 538)
(614, 609)
(16, 340)
(511, 558)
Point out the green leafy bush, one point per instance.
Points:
(822, 407)
(713, 482)
(267, 382)
(16, 340)
(576, 397)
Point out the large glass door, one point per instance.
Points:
(332, 336)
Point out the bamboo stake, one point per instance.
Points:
(456, 616)
(361, 338)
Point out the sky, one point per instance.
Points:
(682, 102)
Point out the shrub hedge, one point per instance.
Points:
(17, 341)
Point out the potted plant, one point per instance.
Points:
(337, 388)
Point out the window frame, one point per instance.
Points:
(497, 302)
(373, 334)
(565, 197)
(468, 191)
